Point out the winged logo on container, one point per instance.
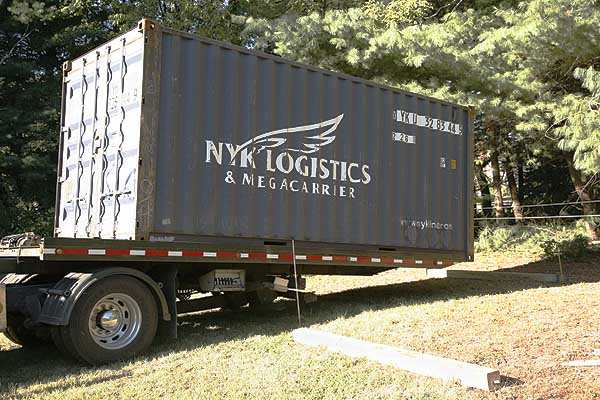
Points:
(312, 138)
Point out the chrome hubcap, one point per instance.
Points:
(109, 320)
(115, 321)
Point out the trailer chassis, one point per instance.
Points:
(104, 300)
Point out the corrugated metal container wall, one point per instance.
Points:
(237, 144)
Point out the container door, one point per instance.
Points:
(100, 139)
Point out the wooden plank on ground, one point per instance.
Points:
(491, 275)
(582, 363)
(470, 375)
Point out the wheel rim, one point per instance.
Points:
(115, 321)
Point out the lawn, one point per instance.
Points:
(525, 329)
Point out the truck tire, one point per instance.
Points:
(66, 349)
(22, 337)
(115, 319)
(17, 333)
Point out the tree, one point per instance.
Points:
(553, 47)
(513, 60)
(35, 38)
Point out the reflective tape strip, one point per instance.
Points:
(76, 251)
(157, 253)
(117, 252)
(193, 254)
(234, 255)
(226, 254)
(97, 252)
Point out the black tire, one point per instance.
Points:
(20, 337)
(77, 339)
(66, 349)
(17, 333)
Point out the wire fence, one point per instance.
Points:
(541, 205)
(538, 217)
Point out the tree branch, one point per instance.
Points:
(9, 54)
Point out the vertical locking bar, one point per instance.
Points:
(119, 152)
(93, 147)
(80, 149)
(104, 144)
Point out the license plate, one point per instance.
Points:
(2, 307)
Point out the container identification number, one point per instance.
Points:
(427, 122)
(404, 138)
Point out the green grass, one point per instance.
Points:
(525, 329)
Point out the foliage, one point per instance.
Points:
(533, 239)
(572, 246)
(398, 12)
(36, 37)
(579, 118)
(530, 68)
(212, 18)
(516, 62)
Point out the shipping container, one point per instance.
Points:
(168, 136)
(190, 167)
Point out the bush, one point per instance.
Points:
(546, 241)
(568, 247)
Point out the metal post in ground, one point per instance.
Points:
(296, 282)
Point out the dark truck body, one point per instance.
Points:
(181, 156)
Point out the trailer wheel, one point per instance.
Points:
(113, 320)
(17, 333)
(66, 349)
(22, 337)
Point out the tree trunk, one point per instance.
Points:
(496, 177)
(585, 194)
(514, 190)
(514, 194)
(521, 176)
(486, 196)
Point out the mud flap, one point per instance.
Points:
(3, 307)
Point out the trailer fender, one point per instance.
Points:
(15, 279)
(62, 297)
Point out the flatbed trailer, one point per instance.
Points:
(195, 175)
(45, 279)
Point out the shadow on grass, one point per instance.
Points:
(45, 366)
(23, 367)
(585, 268)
